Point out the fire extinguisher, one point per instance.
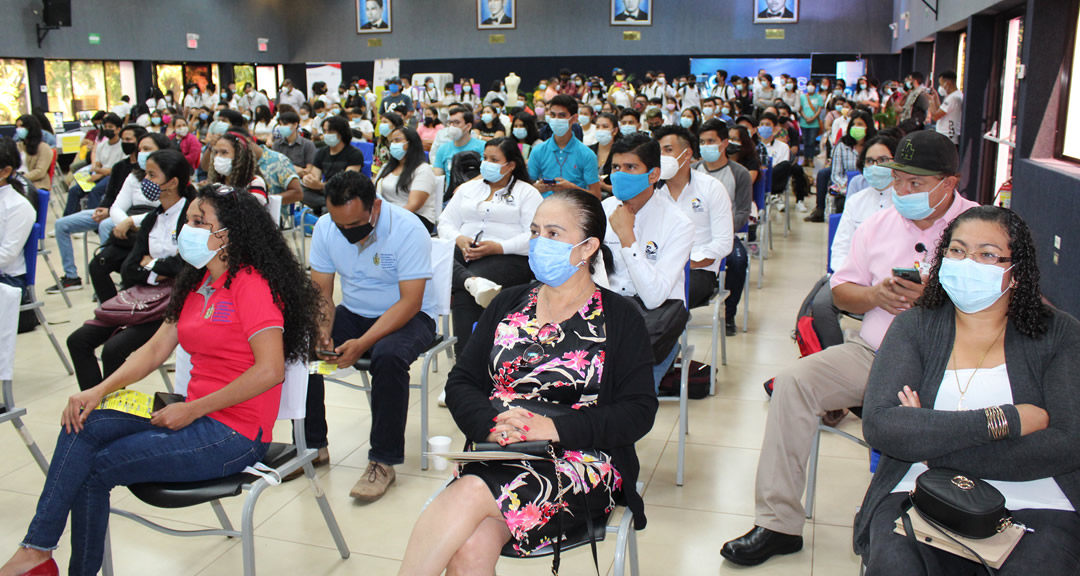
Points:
(1004, 194)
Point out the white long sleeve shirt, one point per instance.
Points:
(130, 194)
(858, 208)
(653, 268)
(707, 204)
(17, 217)
(505, 218)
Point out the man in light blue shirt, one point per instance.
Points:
(563, 162)
(383, 254)
(459, 129)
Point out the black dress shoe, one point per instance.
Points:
(758, 545)
(815, 216)
(729, 327)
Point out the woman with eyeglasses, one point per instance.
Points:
(560, 360)
(241, 307)
(980, 377)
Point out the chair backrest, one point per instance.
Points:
(293, 389)
(686, 285)
(52, 165)
(759, 191)
(30, 252)
(851, 174)
(43, 211)
(440, 189)
(442, 273)
(834, 223)
(273, 206)
(368, 149)
(767, 171)
(10, 297)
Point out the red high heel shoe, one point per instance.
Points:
(46, 568)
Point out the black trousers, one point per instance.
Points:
(824, 180)
(703, 282)
(108, 259)
(827, 318)
(505, 270)
(118, 345)
(316, 200)
(1052, 550)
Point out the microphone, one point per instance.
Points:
(920, 248)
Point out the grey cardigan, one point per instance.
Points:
(915, 352)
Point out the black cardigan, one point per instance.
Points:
(624, 411)
(131, 272)
(916, 352)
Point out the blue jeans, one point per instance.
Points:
(75, 194)
(119, 449)
(809, 141)
(660, 369)
(390, 360)
(78, 222)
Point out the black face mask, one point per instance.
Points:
(128, 147)
(108, 134)
(733, 149)
(356, 234)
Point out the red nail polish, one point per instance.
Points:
(495, 419)
(491, 430)
(523, 437)
(526, 428)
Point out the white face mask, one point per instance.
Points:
(222, 165)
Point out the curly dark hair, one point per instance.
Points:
(255, 242)
(1026, 307)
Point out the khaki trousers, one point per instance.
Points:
(832, 379)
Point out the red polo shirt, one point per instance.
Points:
(215, 327)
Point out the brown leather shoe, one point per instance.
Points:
(833, 417)
(321, 459)
(377, 478)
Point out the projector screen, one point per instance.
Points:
(705, 68)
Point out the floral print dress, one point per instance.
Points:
(568, 373)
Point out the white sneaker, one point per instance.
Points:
(442, 398)
(800, 207)
(779, 205)
(483, 290)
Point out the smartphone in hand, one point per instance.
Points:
(329, 353)
(909, 274)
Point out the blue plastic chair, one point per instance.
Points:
(30, 254)
(687, 353)
(368, 148)
(834, 224)
(760, 199)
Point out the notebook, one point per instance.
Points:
(995, 549)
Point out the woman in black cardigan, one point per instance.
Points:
(980, 377)
(562, 347)
(153, 259)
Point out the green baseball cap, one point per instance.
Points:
(925, 153)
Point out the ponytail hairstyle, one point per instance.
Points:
(173, 165)
(589, 213)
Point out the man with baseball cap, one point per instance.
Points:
(903, 236)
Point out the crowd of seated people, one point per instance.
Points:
(596, 210)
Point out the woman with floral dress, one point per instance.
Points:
(563, 361)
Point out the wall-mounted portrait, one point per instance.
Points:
(373, 17)
(631, 12)
(495, 14)
(776, 11)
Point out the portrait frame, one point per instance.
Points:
(791, 13)
(620, 16)
(483, 15)
(363, 24)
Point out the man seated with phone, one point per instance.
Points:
(563, 162)
(383, 254)
(880, 278)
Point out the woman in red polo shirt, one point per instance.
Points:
(242, 308)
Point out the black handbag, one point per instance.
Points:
(958, 504)
(665, 324)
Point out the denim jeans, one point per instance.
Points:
(75, 194)
(390, 360)
(75, 223)
(738, 264)
(660, 369)
(120, 449)
(809, 142)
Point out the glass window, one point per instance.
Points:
(113, 84)
(267, 80)
(198, 74)
(1071, 141)
(14, 97)
(242, 75)
(171, 77)
(87, 86)
(58, 79)
(215, 73)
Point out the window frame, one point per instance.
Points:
(1066, 82)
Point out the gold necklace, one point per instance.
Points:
(956, 370)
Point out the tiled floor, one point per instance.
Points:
(687, 525)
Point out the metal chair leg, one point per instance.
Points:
(746, 301)
(48, 264)
(811, 473)
(787, 210)
(52, 337)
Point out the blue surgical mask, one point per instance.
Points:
(394, 88)
(765, 132)
(385, 128)
(203, 116)
(550, 260)
(971, 286)
(686, 122)
(491, 171)
(626, 186)
(520, 133)
(142, 159)
(192, 244)
(284, 131)
(21, 133)
(916, 206)
(597, 107)
(628, 129)
(559, 126)
(725, 110)
(603, 137)
(487, 117)
(710, 152)
(584, 119)
(879, 177)
(708, 110)
(331, 139)
(397, 150)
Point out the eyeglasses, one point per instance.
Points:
(547, 334)
(957, 253)
(878, 160)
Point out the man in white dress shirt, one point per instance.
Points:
(649, 237)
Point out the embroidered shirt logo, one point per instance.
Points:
(696, 205)
(651, 250)
(221, 313)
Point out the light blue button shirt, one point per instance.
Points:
(400, 250)
(575, 163)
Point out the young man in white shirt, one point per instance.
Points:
(704, 200)
(659, 89)
(778, 151)
(649, 237)
(722, 89)
(946, 105)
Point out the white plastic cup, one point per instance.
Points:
(439, 444)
